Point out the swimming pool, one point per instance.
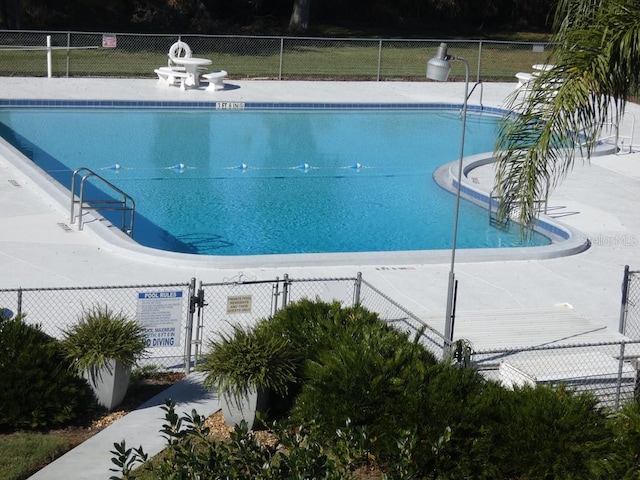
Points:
(256, 181)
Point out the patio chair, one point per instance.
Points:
(215, 79)
(523, 78)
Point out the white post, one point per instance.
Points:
(49, 56)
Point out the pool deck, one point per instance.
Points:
(500, 302)
(601, 199)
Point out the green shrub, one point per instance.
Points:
(308, 326)
(625, 462)
(476, 429)
(39, 388)
(404, 410)
(192, 453)
(314, 327)
(545, 432)
(367, 373)
(458, 406)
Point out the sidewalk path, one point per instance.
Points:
(92, 460)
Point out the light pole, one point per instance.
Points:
(438, 68)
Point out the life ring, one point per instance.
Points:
(179, 49)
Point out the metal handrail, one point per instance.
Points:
(127, 204)
(481, 92)
(617, 138)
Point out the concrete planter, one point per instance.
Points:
(109, 383)
(235, 409)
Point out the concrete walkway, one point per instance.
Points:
(92, 460)
(498, 300)
(601, 199)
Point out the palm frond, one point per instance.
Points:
(596, 60)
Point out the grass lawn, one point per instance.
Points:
(302, 58)
(21, 454)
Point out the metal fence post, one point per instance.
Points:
(276, 292)
(19, 312)
(356, 290)
(285, 290)
(619, 383)
(188, 334)
(379, 59)
(200, 325)
(479, 62)
(68, 51)
(49, 59)
(281, 58)
(623, 306)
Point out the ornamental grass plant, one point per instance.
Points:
(249, 359)
(101, 335)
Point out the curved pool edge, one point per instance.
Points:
(112, 239)
(118, 242)
(565, 240)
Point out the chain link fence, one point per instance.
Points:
(196, 315)
(57, 309)
(609, 370)
(81, 54)
(398, 316)
(180, 319)
(245, 302)
(630, 311)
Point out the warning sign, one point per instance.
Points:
(239, 304)
(160, 313)
(109, 40)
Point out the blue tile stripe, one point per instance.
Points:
(221, 106)
(541, 224)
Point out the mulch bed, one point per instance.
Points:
(140, 390)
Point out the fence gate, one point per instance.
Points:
(630, 311)
(243, 302)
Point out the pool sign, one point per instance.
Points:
(239, 304)
(160, 313)
(109, 40)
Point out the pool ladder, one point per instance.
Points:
(541, 204)
(494, 218)
(126, 204)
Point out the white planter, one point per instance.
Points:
(109, 384)
(244, 407)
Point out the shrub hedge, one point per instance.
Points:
(39, 388)
(367, 393)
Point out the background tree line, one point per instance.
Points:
(367, 17)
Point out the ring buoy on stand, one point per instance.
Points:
(179, 50)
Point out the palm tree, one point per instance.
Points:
(596, 58)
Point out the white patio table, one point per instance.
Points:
(192, 65)
(542, 67)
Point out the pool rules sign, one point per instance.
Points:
(160, 313)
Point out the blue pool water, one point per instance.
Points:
(272, 181)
